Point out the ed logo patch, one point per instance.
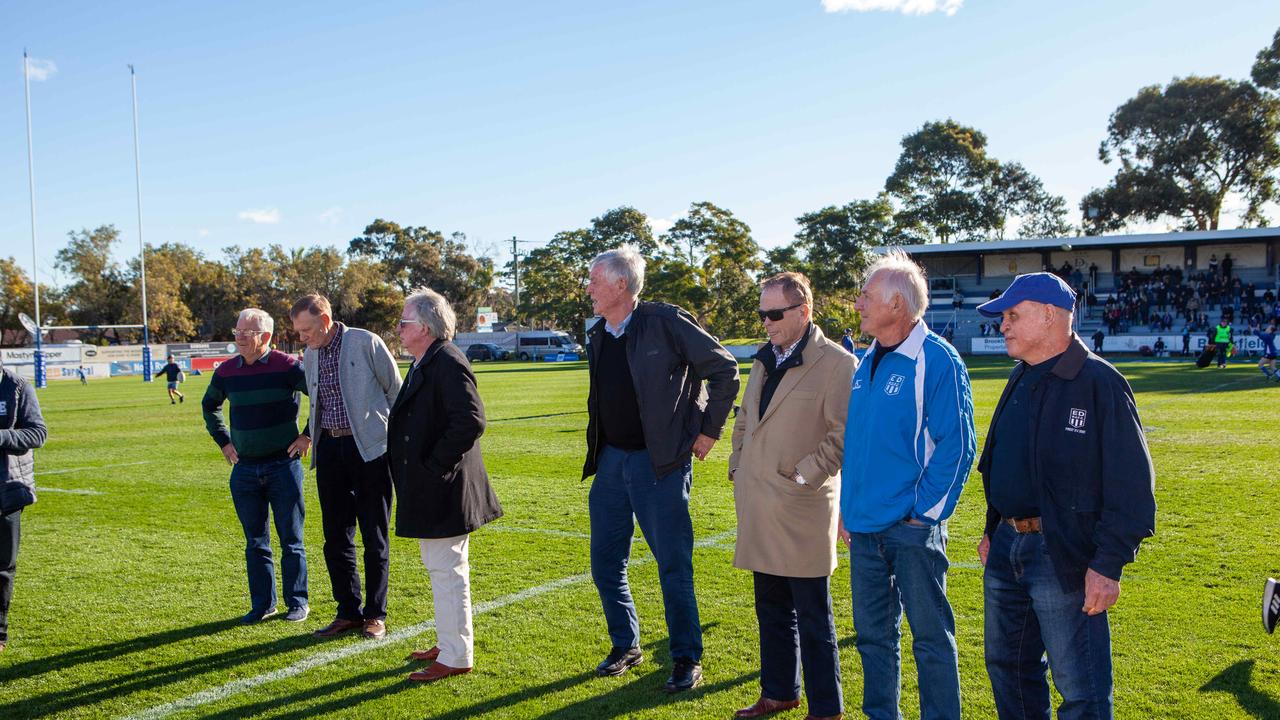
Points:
(4, 407)
(1075, 421)
(894, 386)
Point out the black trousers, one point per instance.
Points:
(10, 529)
(354, 492)
(798, 628)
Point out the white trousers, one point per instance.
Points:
(446, 562)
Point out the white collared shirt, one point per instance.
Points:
(621, 329)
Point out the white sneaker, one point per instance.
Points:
(1270, 605)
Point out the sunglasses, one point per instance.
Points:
(776, 315)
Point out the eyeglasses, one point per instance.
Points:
(404, 322)
(246, 333)
(776, 314)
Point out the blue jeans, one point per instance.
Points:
(904, 567)
(1028, 615)
(797, 628)
(276, 487)
(626, 489)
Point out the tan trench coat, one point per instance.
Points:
(785, 528)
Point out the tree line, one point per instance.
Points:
(1180, 151)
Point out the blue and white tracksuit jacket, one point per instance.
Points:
(908, 442)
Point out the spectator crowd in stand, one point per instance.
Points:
(1166, 299)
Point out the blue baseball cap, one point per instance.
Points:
(1041, 287)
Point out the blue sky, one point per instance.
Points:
(299, 123)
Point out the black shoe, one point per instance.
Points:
(687, 674)
(619, 661)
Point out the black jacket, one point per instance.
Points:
(433, 445)
(670, 355)
(1091, 465)
(22, 430)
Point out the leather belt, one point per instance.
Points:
(337, 432)
(1022, 526)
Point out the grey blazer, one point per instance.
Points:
(370, 381)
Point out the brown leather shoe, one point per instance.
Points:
(765, 706)
(437, 671)
(425, 655)
(338, 627)
(375, 629)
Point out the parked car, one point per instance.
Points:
(486, 351)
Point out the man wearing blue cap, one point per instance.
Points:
(1070, 497)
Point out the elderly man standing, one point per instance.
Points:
(263, 447)
(647, 414)
(22, 430)
(788, 440)
(440, 479)
(908, 447)
(1070, 497)
(354, 380)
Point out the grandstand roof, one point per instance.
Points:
(1198, 237)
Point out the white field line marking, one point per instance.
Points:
(95, 467)
(539, 531)
(222, 692)
(43, 489)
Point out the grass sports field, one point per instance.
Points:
(131, 576)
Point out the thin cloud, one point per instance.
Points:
(331, 216)
(41, 70)
(660, 225)
(906, 7)
(203, 232)
(265, 216)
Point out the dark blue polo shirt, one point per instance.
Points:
(1013, 493)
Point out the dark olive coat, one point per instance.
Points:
(433, 445)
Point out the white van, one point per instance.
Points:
(525, 345)
(537, 344)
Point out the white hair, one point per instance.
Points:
(434, 312)
(900, 275)
(261, 318)
(624, 262)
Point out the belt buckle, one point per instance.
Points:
(1024, 526)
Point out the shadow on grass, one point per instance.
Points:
(1238, 681)
(90, 693)
(538, 417)
(66, 661)
(343, 702)
(645, 691)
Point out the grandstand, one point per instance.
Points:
(1099, 265)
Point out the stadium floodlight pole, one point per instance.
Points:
(142, 248)
(31, 183)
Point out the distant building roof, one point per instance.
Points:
(1197, 237)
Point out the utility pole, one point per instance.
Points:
(515, 264)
